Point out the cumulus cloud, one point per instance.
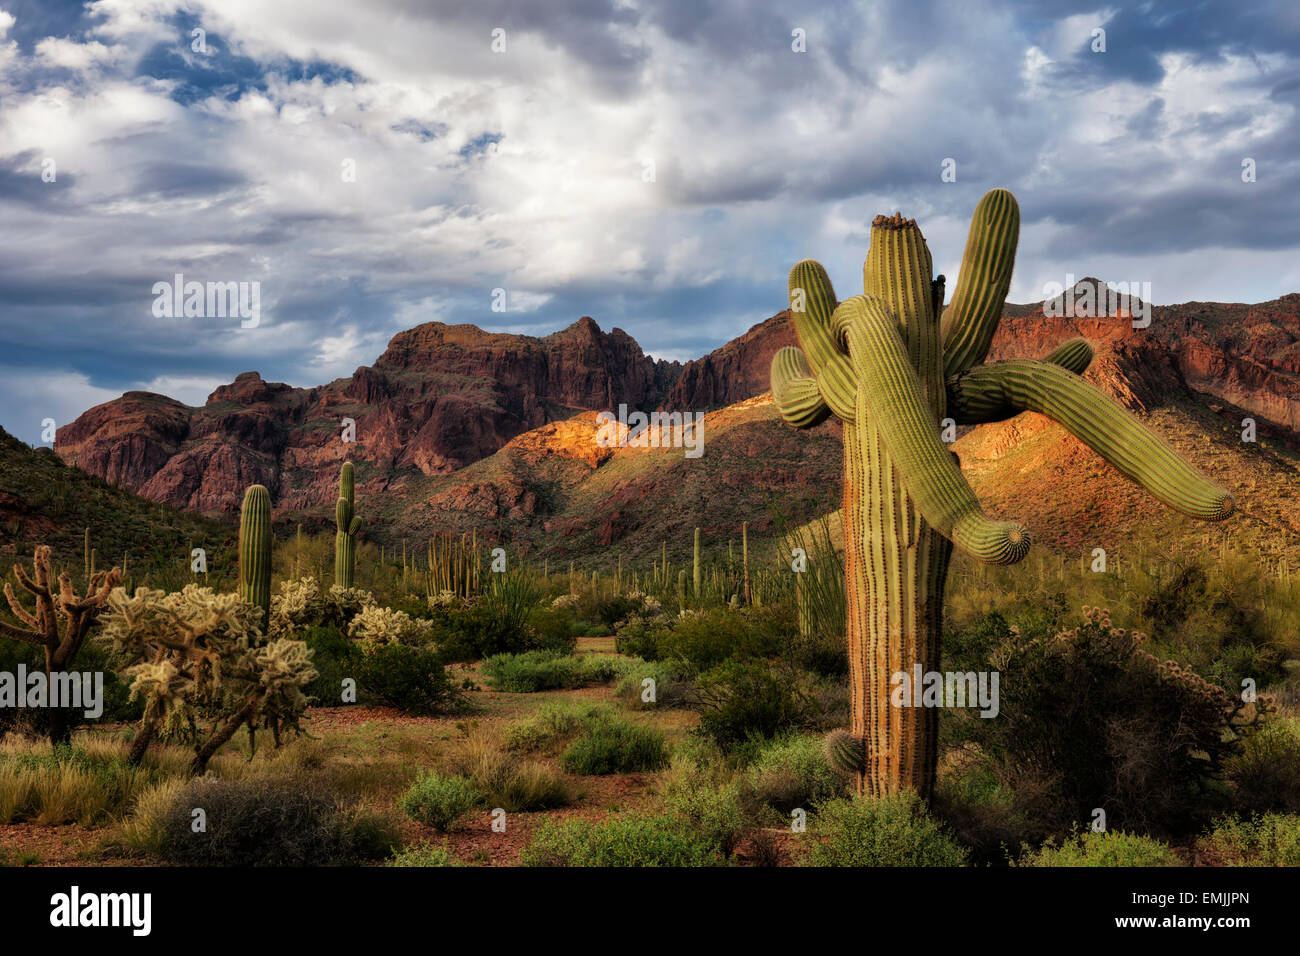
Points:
(656, 164)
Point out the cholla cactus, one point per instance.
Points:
(196, 657)
(376, 626)
(301, 604)
(891, 370)
(565, 602)
(59, 620)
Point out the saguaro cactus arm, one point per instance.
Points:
(795, 389)
(972, 317)
(812, 302)
(890, 394)
(990, 392)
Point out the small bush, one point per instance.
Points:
(792, 772)
(555, 723)
(616, 746)
(710, 812)
(626, 839)
(477, 632)
(412, 679)
(1265, 775)
(535, 671)
(265, 821)
(705, 639)
(1268, 839)
(892, 831)
(335, 658)
(741, 700)
(1112, 848)
(426, 854)
(439, 801)
(672, 688)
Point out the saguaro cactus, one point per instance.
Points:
(348, 524)
(255, 549)
(885, 364)
(696, 579)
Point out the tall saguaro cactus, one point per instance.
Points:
(891, 364)
(348, 524)
(255, 549)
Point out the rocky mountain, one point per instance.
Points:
(439, 398)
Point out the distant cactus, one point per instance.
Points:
(255, 550)
(348, 524)
(696, 580)
(890, 369)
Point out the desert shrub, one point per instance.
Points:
(267, 821)
(476, 632)
(709, 809)
(889, 831)
(506, 780)
(979, 810)
(334, 657)
(706, 639)
(613, 608)
(1267, 839)
(412, 679)
(439, 800)
(672, 686)
(555, 723)
(625, 839)
(534, 671)
(1088, 718)
(615, 746)
(1265, 775)
(556, 628)
(1111, 848)
(118, 705)
(426, 854)
(792, 772)
(741, 700)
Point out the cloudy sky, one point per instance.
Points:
(656, 165)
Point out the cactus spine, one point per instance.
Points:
(891, 364)
(255, 549)
(347, 525)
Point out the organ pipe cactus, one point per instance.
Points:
(255, 550)
(891, 364)
(348, 524)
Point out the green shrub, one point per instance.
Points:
(615, 746)
(792, 772)
(710, 812)
(671, 685)
(426, 854)
(534, 671)
(626, 839)
(556, 628)
(1111, 848)
(705, 639)
(1089, 718)
(268, 821)
(335, 659)
(741, 700)
(891, 831)
(1265, 775)
(1267, 839)
(554, 723)
(476, 632)
(412, 679)
(439, 801)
